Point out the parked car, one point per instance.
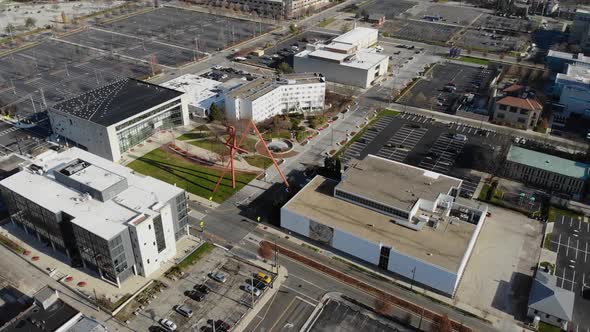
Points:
(196, 295)
(168, 325)
(259, 284)
(460, 137)
(202, 288)
(251, 289)
(220, 325)
(218, 276)
(184, 310)
(263, 277)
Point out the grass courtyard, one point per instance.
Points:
(194, 178)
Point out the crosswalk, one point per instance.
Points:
(404, 141)
(8, 131)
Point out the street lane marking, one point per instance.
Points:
(283, 314)
(314, 285)
(306, 301)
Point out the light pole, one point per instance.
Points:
(413, 276)
(252, 292)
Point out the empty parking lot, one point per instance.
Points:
(423, 142)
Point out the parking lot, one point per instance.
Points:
(570, 239)
(390, 9)
(492, 41)
(207, 298)
(451, 14)
(421, 141)
(493, 22)
(136, 47)
(444, 84)
(186, 27)
(419, 30)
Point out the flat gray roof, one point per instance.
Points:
(394, 184)
(443, 247)
(263, 85)
(548, 162)
(105, 219)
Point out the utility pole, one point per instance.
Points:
(96, 300)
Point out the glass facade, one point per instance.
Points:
(371, 204)
(139, 129)
(159, 232)
(182, 215)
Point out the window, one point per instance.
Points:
(159, 233)
(521, 120)
(500, 116)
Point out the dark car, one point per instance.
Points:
(196, 295)
(202, 288)
(259, 284)
(220, 325)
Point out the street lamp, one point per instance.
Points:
(413, 276)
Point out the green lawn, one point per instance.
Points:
(258, 161)
(544, 327)
(471, 59)
(192, 135)
(280, 134)
(555, 212)
(196, 255)
(212, 144)
(483, 194)
(196, 179)
(326, 22)
(249, 143)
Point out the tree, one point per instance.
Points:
(382, 306)
(265, 251)
(293, 28)
(30, 22)
(443, 324)
(9, 28)
(346, 27)
(284, 68)
(215, 113)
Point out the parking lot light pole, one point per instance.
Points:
(252, 292)
(413, 276)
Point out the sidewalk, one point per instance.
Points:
(383, 282)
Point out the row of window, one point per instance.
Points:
(371, 204)
(148, 115)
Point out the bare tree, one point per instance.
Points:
(382, 305)
(265, 251)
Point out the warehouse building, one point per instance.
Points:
(100, 214)
(112, 119)
(346, 60)
(266, 97)
(546, 171)
(398, 217)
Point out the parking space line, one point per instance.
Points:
(577, 245)
(586, 252)
(573, 279)
(567, 250)
(558, 244)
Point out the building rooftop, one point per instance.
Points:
(524, 103)
(366, 179)
(117, 101)
(578, 74)
(105, 219)
(579, 57)
(548, 162)
(37, 318)
(201, 92)
(355, 35)
(549, 299)
(363, 58)
(444, 246)
(263, 85)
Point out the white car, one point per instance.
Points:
(460, 137)
(168, 325)
(252, 290)
(217, 67)
(218, 276)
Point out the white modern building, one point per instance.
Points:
(573, 89)
(398, 217)
(201, 92)
(266, 97)
(98, 213)
(346, 60)
(557, 61)
(111, 119)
